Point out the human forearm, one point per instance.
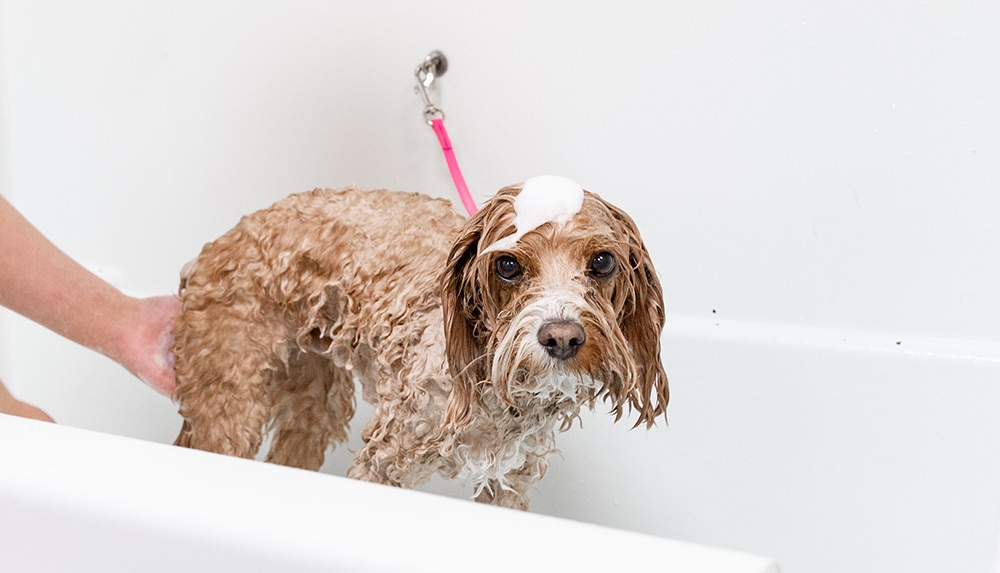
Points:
(40, 282)
(45, 285)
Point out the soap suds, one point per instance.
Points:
(543, 199)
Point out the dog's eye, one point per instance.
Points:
(508, 269)
(603, 265)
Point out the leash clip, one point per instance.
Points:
(433, 66)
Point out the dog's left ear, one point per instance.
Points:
(641, 324)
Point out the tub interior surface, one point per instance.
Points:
(826, 456)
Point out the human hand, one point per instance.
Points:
(146, 349)
(142, 345)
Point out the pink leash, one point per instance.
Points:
(456, 173)
(434, 65)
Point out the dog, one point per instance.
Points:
(475, 340)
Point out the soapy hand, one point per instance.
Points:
(145, 350)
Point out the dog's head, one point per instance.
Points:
(545, 305)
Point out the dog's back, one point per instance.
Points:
(300, 243)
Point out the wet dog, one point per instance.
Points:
(476, 340)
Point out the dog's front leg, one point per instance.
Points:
(496, 495)
(378, 464)
(513, 493)
(400, 448)
(370, 466)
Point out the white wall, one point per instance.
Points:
(816, 182)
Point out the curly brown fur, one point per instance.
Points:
(282, 313)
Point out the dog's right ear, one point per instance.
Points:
(459, 297)
(466, 304)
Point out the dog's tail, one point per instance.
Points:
(186, 271)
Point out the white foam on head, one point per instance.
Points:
(543, 199)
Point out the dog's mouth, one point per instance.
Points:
(553, 387)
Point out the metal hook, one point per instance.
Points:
(433, 66)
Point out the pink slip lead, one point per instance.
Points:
(456, 173)
(435, 65)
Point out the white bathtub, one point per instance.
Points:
(825, 450)
(75, 500)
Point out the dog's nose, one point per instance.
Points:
(562, 339)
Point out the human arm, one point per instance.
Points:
(40, 282)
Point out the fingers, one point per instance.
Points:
(11, 405)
